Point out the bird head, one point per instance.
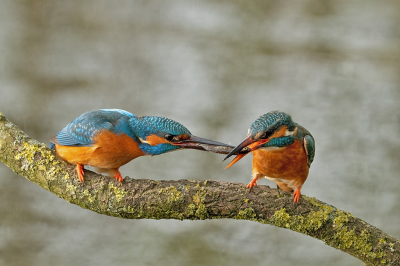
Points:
(159, 135)
(271, 126)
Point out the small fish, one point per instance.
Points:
(221, 149)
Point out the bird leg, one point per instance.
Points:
(118, 176)
(253, 182)
(296, 195)
(79, 170)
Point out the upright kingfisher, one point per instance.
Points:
(282, 151)
(110, 138)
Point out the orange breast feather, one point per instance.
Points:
(109, 151)
(286, 163)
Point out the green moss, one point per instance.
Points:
(341, 219)
(156, 212)
(29, 151)
(52, 173)
(198, 199)
(119, 193)
(130, 209)
(88, 195)
(45, 164)
(313, 201)
(246, 214)
(281, 218)
(172, 193)
(349, 239)
(201, 212)
(200, 195)
(313, 221)
(191, 209)
(70, 188)
(161, 208)
(344, 238)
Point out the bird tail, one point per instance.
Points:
(53, 142)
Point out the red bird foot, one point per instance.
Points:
(79, 170)
(252, 184)
(118, 176)
(296, 195)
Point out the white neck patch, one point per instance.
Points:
(143, 141)
(289, 133)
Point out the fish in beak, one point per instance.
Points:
(205, 144)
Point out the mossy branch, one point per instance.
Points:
(194, 200)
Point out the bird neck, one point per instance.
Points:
(157, 149)
(279, 142)
(123, 127)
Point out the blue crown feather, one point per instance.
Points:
(149, 125)
(271, 121)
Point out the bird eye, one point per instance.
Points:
(169, 137)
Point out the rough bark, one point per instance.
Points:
(194, 200)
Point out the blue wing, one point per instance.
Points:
(309, 146)
(82, 130)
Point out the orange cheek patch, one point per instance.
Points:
(183, 137)
(281, 132)
(155, 140)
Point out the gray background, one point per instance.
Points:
(214, 66)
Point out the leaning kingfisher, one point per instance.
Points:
(282, 151)
(109, 138)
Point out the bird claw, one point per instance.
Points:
(118, 177)
(296, 195)
(79, 170)
(251, 185)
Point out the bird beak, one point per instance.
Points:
(204, 145)
(247, 145)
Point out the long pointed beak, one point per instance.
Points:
(247, 141)
(205, 145)
(241, 150)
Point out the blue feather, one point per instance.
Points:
(157, 149)
(156, 125)
(270, 122)
(310, 148)
(280, 142)
(83, 129)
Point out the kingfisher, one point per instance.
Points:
(282, 151)
(109, 138)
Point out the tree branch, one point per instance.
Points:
(194, 200)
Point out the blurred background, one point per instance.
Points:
(214, 66)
